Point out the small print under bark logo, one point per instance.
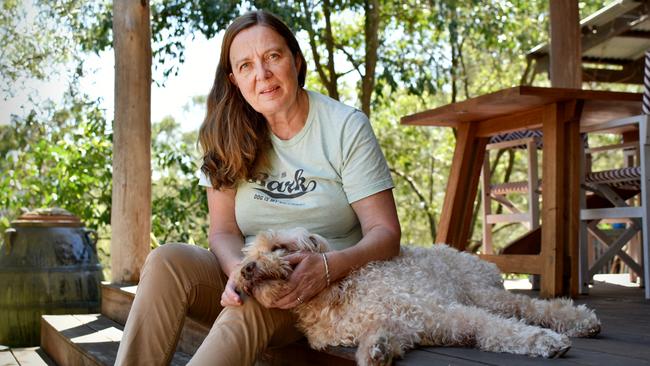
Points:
(286, 189)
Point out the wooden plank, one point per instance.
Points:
(32, 356)
(448, 226)
(553, 198)
(131, 197)
(116, 301)
(429, 357)
(461, 188)
(7, 359)
(601, 112)
(471, 188)
(575, 151)
(529, 119)
(516, 217)
(600, 105)
(493, 358)
(102, 326)
(529, 243)
(515, 263)
(605, 344)
(56, 332)
(300, 353)
(487, 204)
(85, 340)
(575, 356)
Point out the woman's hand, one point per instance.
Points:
(229, 296)
(306, 281)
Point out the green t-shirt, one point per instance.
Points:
(332, 162)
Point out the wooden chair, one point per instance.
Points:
(606, 195)
(530, 142)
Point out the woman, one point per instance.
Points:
(275, 156)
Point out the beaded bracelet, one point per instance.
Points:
(327, 269)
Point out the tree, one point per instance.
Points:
(179, 207)
(379, 53)
(60, 159)
(429, 50)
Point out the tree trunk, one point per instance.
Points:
(332, 86)
(372, 44)
(131, 202)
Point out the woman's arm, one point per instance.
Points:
(381, 240)
(381, 235)
(226, 241)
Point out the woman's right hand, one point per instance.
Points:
(229, 297)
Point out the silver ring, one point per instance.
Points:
(299, 299)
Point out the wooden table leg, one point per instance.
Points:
(553, 205)
(456, 216)
(560, 198)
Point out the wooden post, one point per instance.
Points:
(565, 55)
(560, 205)
(575, 149)
(553, 205)
(131, 203)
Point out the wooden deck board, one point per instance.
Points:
(428, 357)
(624, 340)
(90, 339)
(32, 356)
(7, 358)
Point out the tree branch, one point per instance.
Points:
(427, 206)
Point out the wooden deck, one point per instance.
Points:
(624, 340)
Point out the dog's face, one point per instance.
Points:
(264, 271)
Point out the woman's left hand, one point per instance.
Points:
(306, 281)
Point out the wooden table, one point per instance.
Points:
(561, 114)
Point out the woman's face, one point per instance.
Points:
(264, 70)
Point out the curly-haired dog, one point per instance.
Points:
(431, 297)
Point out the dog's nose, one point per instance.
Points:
(248, 270)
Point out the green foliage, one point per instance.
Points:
(179, 207)
(430, 52)
(419, 158)
(32, 43)
(61, 159)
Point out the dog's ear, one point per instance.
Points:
(310, 241)
(303, 239)
(263, 242)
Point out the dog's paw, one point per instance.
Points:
(550, 344)
(559, 353)
(585, 324)
(378, 353)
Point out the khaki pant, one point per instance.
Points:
(179, 280)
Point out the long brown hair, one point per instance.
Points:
(234, 138)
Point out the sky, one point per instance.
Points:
(194, 78)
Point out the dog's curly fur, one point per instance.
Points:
(425, 296)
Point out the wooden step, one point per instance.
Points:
(116, 304)
(85, 340)
(32, 356)
(117, 300)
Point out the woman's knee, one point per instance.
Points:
(175, 258)
(253, 313)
